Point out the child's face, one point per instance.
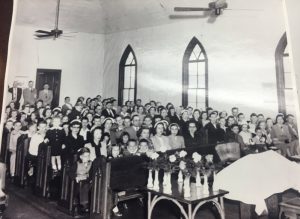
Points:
(85, 157)
(259, 133)
(132, 147)
(115, 151)
(56, 122)
(143, 147)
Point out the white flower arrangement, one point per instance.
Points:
(172, 158)
(182, 154)
(154, 156)
(196, 157)
(209, 158)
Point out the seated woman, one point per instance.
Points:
(160, 142)
(193, 138)
(282, 139)
(80, 172)
(245, 134)
(176, 141)
(96, 147)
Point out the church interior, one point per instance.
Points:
(222, 74)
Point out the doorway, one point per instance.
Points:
(51, 77)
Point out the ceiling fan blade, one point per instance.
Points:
(46, 35)
(191, 9)
(42, 31)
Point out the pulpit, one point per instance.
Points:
(116, 180)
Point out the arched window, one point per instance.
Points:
(195, 76)
(127, 76)
(285, 90)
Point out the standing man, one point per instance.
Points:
(46, 95)
(16, 94)
(30, 94)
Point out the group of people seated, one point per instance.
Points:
(96, 127)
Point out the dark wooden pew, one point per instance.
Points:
(21, 161)
(117, 180)
(43, 170)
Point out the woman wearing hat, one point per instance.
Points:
(176, 141)
(160, 142)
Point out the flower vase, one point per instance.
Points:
(187, 187)
(205, 185)
(168, 185)
(198, 180)
(180, 177)
(150, 179)
(165, 179)
(215, 188)
(156, 180)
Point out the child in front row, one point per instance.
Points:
(55, 137)
(81, 173)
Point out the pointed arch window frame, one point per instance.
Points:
(122, 66)
(185, 71)
(280, 77)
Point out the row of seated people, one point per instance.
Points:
(98, 126)
(186, 133)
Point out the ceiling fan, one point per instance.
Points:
(216, 6)
(55, 33)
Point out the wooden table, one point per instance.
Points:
(290, 208)
(193, 203)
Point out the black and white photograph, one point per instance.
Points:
(149, 109)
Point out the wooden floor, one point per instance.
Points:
(24, 205)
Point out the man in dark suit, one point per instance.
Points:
(109, 111)
(211, 129)
(46, 95)
(30, 94)
(16, 94)
(134, 128)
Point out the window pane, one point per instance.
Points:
(201, 81)
(127, 77)
(286, 51)
(132, 85)
(201, 106)
(129, 59)
(193, 68)
(286, 64)
(192, 95)
(288, 80)
(125, 95)
(201, 57)
(201, 96)
(192, 81)
(201, 68)
(131, 94)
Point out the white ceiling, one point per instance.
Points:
(107, 16)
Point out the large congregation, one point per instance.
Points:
(97, 126)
